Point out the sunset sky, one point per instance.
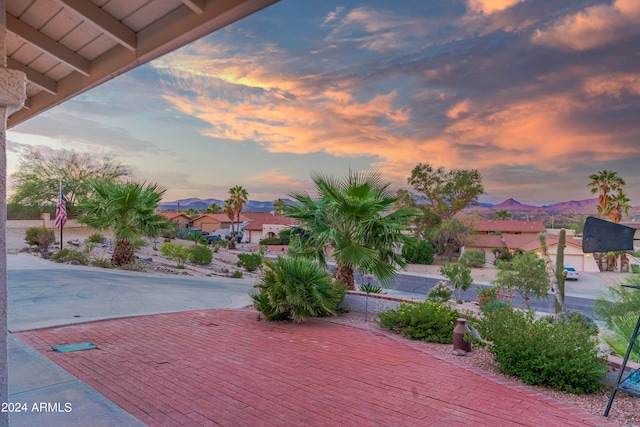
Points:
(536, 95)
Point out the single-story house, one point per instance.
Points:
(178, 218)
(516, 235)
(266, 225)
(208, 223)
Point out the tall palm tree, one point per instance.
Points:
(238, 196)
(278, 207)
(353, 216)
(227, 208)
(214, 208)
(608, 185)
(128, 209)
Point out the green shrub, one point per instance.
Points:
(96, 238)
(421, 253)
(133, 266)
(562, 355)
(472, 258)
(429, 321)
(250, 262)
(440, 292)
(40, 237)
(102, 262)
(200, 255)
(138, 243)
(275, 241)
(493, 298)
(459, 276)
(176, 252)
(197, 237)
(297, 289)
(66, 255)
(89, 246)
(236, 274)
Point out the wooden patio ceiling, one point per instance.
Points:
(66, 47)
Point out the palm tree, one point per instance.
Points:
(353, 216)
(239, 197)
(128, 209)
(227, 208)
(278, 207)
(612, 202)
(605, 183)
(214, 208)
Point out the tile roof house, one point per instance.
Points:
(211, 222)
(516, 235)
(181, 219)
(266, 225)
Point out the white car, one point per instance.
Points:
(570, 273)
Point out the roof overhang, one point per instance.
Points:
(66, 47)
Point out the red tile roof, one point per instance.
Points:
(270, 220)
(509, 226)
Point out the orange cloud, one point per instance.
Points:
(490, 6)
(593, 27)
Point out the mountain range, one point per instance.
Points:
(586, 206)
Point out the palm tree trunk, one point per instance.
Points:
(344, 274)
(123, 253)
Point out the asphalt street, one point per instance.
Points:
(578, 295)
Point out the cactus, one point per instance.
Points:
(560, 268)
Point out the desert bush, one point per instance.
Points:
(428, 321)
(138, 243)
(275, 241)
(421, 253)
(96, 238)
(40, 237)
(250, 262)
(562, 355)
(102, 262)
(472, 258)
(440, 292)
(297, 289)
(175, 252)
(459, 276)
(200, 255)
(133, 266)
(494, 298)
(66, 255)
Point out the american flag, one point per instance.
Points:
(61, 210)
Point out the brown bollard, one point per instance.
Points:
(459, 344)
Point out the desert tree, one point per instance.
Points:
(38, 176)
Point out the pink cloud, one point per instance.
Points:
(595, 26)
(491, 6)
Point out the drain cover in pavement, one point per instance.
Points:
(68, 348)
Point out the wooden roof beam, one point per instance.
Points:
(48, 45)
(103, 21)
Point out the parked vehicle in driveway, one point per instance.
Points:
(570, 273)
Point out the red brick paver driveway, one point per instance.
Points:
(222, 367)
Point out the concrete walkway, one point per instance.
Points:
(197, 367)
